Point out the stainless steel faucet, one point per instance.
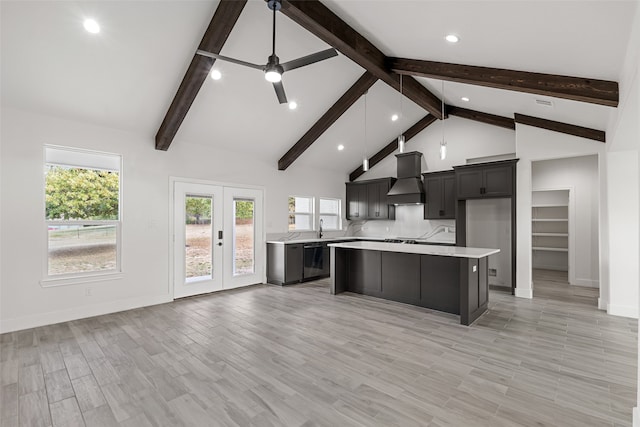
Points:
(320, 230)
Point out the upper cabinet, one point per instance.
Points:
(368, 200)
(495, 179)
(440, 195)
(357, 201)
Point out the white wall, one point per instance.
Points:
(580, 175)
(146, 204)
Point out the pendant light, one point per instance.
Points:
(443, 143)
(365, 160)
(401, 136)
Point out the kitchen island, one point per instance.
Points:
(452, 279)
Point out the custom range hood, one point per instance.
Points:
(408, 189)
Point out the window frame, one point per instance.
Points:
(88, 276)
(337, 215)
(311, 215)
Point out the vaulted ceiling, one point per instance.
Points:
(127, 76)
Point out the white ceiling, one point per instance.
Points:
(126, 76)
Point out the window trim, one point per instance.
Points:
(89, 276)
(311, 215)
(338, 215)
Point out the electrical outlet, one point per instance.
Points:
(493, 272)
(88, 292)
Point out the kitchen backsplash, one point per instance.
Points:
(409, 223)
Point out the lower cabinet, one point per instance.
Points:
(401, 277)
(440, 283)
(450, 284)
(363, 272)
(285, 263)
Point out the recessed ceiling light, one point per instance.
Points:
(465, 99)
(340, 147)
(91, 26)
(216, 74)
(394, 117)
(452, 38)
(293, 105)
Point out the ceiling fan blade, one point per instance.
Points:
(226, 58)
(309, 59)
(282, 98)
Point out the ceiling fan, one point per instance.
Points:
(273, 70)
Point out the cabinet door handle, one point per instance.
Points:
(441, 213)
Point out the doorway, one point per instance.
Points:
(218, 238)
(565, 229)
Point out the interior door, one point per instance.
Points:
(244, 239)
(198, 265)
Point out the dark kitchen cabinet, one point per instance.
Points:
(285, 263)
(440, 283)
(363, 272)
(400, 277)
(495, 179)
(441, 195)
(378, 205)
(357, 201)
(368, 200)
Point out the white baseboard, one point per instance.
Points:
(36, 320)
(636, 417)
(602, 304)
(588, 283)
(524, 292)
(623, 310)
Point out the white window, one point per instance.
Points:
(301, 213)
(330, 214)
(82, 213)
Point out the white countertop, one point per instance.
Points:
(453, 251)
(324, 239)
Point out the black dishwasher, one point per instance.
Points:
(317, 261)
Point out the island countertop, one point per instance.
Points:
(451, 251)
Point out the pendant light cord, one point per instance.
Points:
(442, 112)
(364, 152)
(400, 95)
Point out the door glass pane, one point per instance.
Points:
(243, 236)
(198, 238)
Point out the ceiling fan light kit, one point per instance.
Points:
(273, 70)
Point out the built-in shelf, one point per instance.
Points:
(550, 229)
(540, 248)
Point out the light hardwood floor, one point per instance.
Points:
(297, 356)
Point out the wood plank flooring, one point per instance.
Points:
(298, 356)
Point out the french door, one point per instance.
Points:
(218, 235)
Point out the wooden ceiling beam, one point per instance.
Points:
(359, 88)
(326, 25)
(478, 116)
(393, 145)
(583, 132)
(602, 92)
(214, 38)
